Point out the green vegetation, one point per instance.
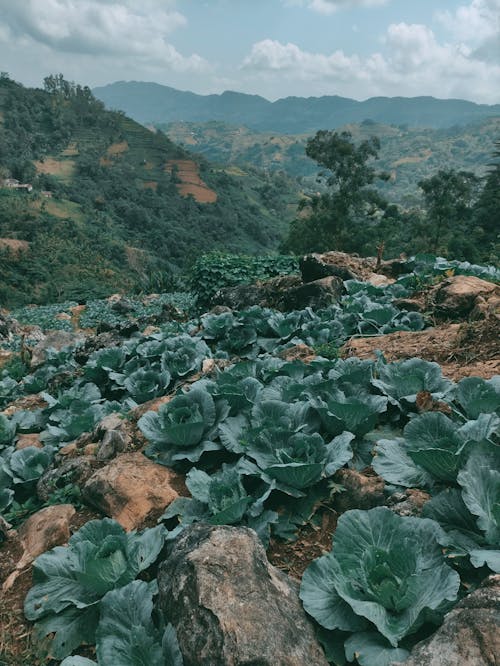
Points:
(116, 215)
(218, 270)
(259, 442)
(458, 218)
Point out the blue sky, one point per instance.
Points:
(275, 48)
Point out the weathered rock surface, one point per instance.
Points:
(456, 297)
(345, 266)
(470, 634)
(75, 470)
(265, 294)
(362, 491)
(54, 340)
(317, 294)
(113, 431)
(132, 489)
(230, 607)
(42, 531)
(409, 502)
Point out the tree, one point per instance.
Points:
(487, 209)
(345, 215)
(449, 198)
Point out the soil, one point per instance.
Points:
(462, 350)
(190, 181)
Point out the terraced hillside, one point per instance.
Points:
(104, 190)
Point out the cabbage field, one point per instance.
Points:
(260, 436)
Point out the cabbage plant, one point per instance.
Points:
(385, 576)
(184, 428)
(70, 582)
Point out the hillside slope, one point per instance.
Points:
(151, 102)
(110, 203)
(408, 154)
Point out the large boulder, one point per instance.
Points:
(345, 266)
(456, 297)
(265, 294)
(229, 606)
(470, 634)
(318, 294)
(132, 489)
(54, 340)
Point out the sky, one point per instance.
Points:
(273, 48)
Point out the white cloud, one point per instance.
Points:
(477, 27)
(413, 63)
(331, 6)
(102, 28)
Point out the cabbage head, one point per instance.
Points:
(386, 574)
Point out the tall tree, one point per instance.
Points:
(487, 209)
(340, 217)
(449, 198)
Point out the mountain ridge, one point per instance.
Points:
(154, 102)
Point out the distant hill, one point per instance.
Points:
(154, 103)
(112, 204)
(408, 154)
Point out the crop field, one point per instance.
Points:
(264, 437)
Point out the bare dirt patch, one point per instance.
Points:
(71, 150)
(462, 350)
(117, 148)
(190, 181)
(63, 169)
(15, 246)
(150, 185)
(414, 159)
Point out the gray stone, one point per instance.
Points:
(469, 635)
(317, 294)
(229, 606)
(56, 340)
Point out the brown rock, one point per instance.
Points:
(42, 531)
(362, 491)
(31, 439)
(409, 502)
(456, 297)
(345, 266)
(230, 607)
(132, 489)
(71, 470)
(470, 634)
(378, 280)
(298, 353)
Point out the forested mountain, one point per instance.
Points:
(113, 203)
(151, 102)
(408, 154)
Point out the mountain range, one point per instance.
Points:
(155, 103)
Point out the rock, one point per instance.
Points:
(298, 353)
(31, 439)
(456, 297)
(345, 266)
(265, 294)
(42, 531)
(409, 502)
(74, 470)
(132, 489)
(361, 491)
(54, 340)
(409, 304)
(230, 607)
(114, 435)
(469, 635)
(378, 280)
(122, 305)
(318, 294)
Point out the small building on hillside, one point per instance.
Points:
(14, 184)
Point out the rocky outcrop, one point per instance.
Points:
(54, 340)
(318, 294)
(350, 267)
(361, 490)
(132, 489)
(457, 297)
(267, 294)
(470, 634)
(230, 607)
(42, 531)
